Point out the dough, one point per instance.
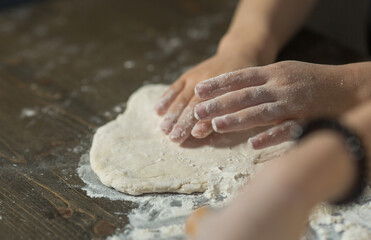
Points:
(132, 155)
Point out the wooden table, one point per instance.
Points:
(66, 68)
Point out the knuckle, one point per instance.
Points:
(239, 76)
(246, 94)
(253, 93)
(279, 67)
(177, 85)
(231, 119)
(250, 71)
(215, 106)
(182, 99)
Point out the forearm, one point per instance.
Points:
(320, 168)
(360, 79)
(262, 27)
(283, 193)
(323, 167)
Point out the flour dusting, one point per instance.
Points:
(162, 216)
(28, 112)
(134, 156)
(221, 165)
(158, 216)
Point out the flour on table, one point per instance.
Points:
(28, 112)
(131, 155)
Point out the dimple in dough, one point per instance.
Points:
(132, 155)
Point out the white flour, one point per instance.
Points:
(28, 112)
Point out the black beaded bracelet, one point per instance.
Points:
(353, 144)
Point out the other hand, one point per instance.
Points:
(177, 103)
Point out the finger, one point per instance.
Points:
(232, 102)
(228, 82)
(202, 129)
(175, 110)
(193, 221)
(260, 115)
(168, 97)
(275, 135)
(182, 129)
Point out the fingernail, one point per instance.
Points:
(176, 134)
(163, 102)
(255, 141)
(198, 90)
(159, 107)
(198, 130)
(200, 111)
(167, 124)
(201, 131)
(218, 124)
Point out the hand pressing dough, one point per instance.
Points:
(132, 155)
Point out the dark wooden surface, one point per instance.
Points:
(63, 74)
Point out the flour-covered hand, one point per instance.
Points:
(275, 94)
(177, 103)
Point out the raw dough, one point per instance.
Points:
(132, 155)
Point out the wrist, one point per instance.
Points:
(359, 119)
(325, 174)
(286, 183)
(359, 79)
(258, 48)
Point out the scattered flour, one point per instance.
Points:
(156, 217)
(345, 223)
(168, 45)
(28, 112)
(129, 64)
(162, 216)
(86, 88)
(103, 74)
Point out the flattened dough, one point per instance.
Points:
(132, 155)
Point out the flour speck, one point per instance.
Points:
(129, 64)
(28, 112)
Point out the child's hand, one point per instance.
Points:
(275, 94)
(179, 100)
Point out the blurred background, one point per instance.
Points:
(347, 21)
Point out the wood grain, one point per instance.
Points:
(62, 75)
